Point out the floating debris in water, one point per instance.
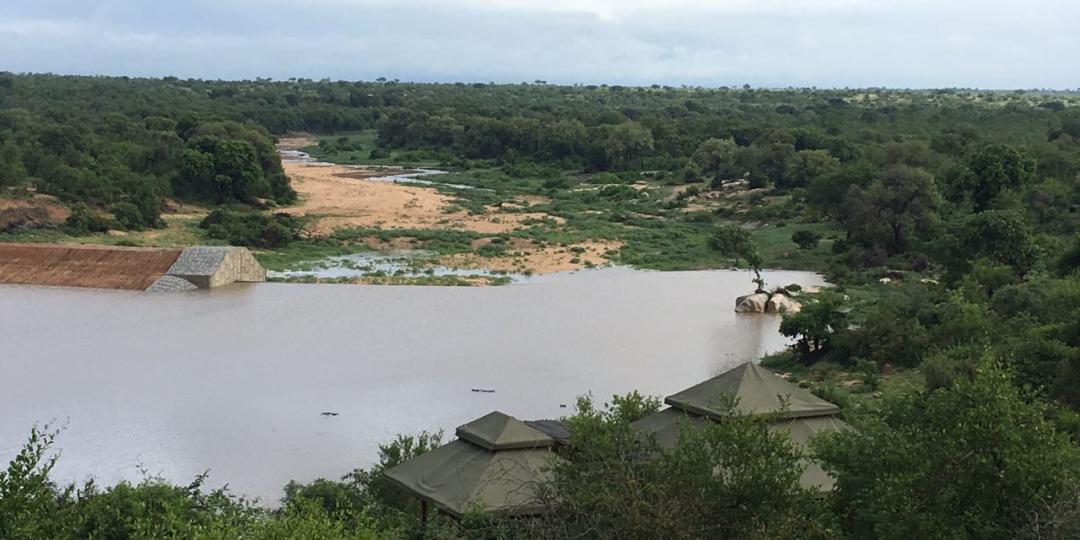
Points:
(329, 413)
(483, 390)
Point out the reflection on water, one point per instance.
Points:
(235, 380)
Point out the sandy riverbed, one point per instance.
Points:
(341, 197)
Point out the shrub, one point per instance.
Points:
(83, 220)
(975, 459)
(806, 239)
(725, 479)
(128, 216)
(250, 228)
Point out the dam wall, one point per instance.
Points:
(209, 267)
(131, 268)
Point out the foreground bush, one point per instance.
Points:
(971, 460)
(731, 479)
(32, 507)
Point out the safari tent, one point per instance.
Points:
(493, 465)
(757, 392)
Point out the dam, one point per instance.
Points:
(130, 268)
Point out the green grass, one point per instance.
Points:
(179, 232)
(844, 386)
(290, 256)
(362, 144)
(778, 251)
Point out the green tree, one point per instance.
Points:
(805, 239)
(12, 170)
(901, 203)
(628, 144)
(815, 325)
(806, 165)
(972, 460)
(1003, 237)
(713, 161)
(736, 242)
(992, 170)
(727, 479)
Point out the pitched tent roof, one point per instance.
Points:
(493, 466)
(758, 390)
(499, 431)
(801, 430)
(666, 426)
(556, 429)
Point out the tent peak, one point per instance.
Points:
(758, 390)
(500, 431)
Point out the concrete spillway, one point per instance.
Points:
(111, 267)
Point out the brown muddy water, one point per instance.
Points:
(235, 381)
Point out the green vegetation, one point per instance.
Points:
(250, 228)
(947, 221)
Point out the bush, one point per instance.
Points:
(250, 228)
(83, 221)
(618, 484)
(32, 506)
(557, 182)
(815, 325)
(128, 216)
(975, 459)
(806, 239)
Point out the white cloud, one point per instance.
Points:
(910, 43)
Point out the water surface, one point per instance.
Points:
(235, 380)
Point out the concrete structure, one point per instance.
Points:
(209, 267)
(112, 267)
(167, 284)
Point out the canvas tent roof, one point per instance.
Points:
(666, 424)
(494, 466)
(499, 431)
(800, 431)
(758, 391)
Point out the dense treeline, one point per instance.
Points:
(129, 140)
(128, 161)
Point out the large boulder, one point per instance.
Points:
(782, 303)
(751, 303)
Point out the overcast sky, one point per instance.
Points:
(775, 43)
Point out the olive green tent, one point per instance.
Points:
(492, 466)
(757, 392)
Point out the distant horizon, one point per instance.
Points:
(902, 44)
(544, 82)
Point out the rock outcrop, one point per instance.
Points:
(782, 303)
(751, 303)
(766, 303)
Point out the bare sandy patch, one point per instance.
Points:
(525, 256)
(534, 200)
(342, 197)
(296, 141)
(397, 243)
(33, 212)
